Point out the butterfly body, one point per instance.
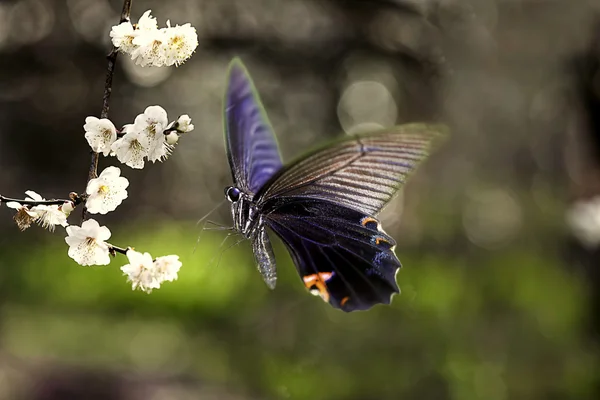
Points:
(249, 222)
(323, 206)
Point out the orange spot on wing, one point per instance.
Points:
(318, 281)
(379, 240)
(368, 220)
(344, 301)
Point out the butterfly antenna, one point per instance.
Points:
(210, 212)
(204, 226)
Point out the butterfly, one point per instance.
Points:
(324, 205)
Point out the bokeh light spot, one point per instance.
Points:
(491, 218)
(366, 102)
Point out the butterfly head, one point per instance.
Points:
(243, 211)
(232, 194)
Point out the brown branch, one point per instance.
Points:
(112, 60)
(115, 249)
(33, 202)
(73, 197)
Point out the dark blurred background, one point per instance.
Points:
(498, 232)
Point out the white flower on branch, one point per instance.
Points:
(160, 150)
(183, 124)
(140, 271)
(179, 43)
(67, 207)
(122, 36)
(87, 244)
(151, 124)
(106, 192)
(146, 274)
(48, 216)
(147, 22)
(149, 46)
(149, 49)
(167, 267)
(24, 216)
(151, 137)
(131, 149)
(33, 196)
(100, 134)
(172, 138)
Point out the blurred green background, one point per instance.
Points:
(498, 300)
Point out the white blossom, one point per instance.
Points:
(67, 207)
(179, 43)
(584, 219)
(152, 124)
(160, 150)
(172, 138)
(167, 267)
(131, 149)
(146, 138)
(184, 124)
(33, 196)
(140, 271)
(100, 134)
(147, 22)
(87, 244)
(149, 49)
(24, 217)
(146, 274)
(122, 37)
(48, 216)
(149, 46)
(106, 192)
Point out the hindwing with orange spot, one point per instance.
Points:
(348, 263)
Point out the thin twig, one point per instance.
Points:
(112, 60)
(34, 202)
(116, 249)
(73, 198)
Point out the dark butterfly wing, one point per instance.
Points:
(341, 254)
(362, 172)
(323, 205)
(251, 145)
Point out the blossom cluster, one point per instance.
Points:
(148, 45)
(150, 137)
(88, 246)
(146, 273)
(87, 243)
(48, 216)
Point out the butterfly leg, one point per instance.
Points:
(217, 227)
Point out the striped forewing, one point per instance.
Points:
(362, 172)
(251, 145)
